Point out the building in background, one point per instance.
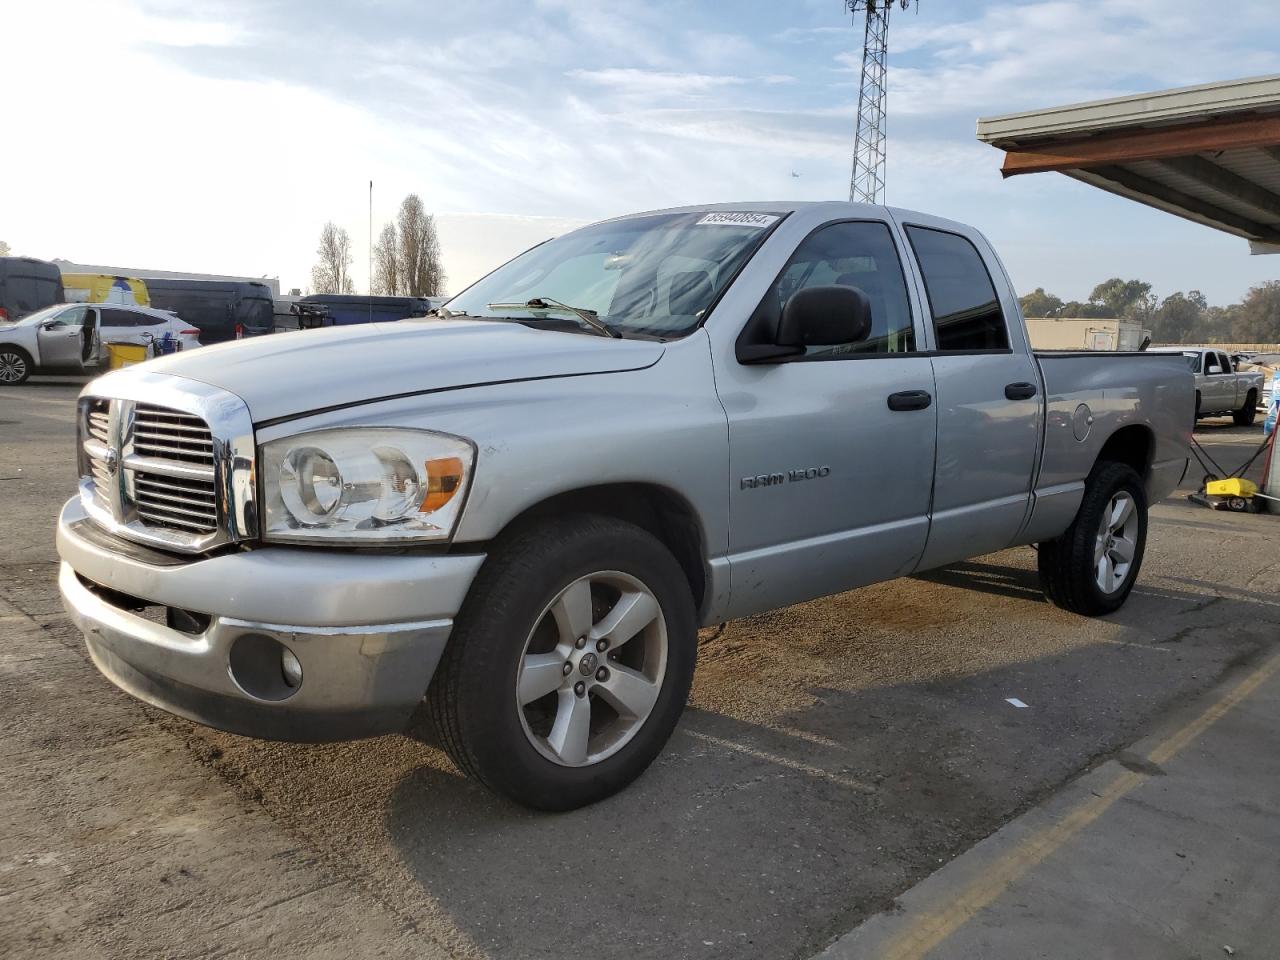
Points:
(1071, 333)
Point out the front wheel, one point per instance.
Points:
(15, 366)
(1091, 568)
(569, 664)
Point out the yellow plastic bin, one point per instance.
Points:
(125, 354)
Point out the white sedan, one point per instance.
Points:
(71, 337)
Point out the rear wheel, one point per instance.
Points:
(1091, 568)
(570, 662)
(15, 366)
(1245, 416)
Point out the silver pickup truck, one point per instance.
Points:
(523, 509)
(1220, 387)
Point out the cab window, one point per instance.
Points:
(853, 254)
(962, 298)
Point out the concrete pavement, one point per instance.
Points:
(1169, 851)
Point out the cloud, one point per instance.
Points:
(517, 119)
(650, 83)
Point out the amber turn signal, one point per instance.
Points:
(444, 479)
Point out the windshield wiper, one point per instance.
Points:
(589, 317)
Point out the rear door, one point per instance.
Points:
(122, 326)
(830, 485)
(987, 397)
(1218, 392)
(1235, 398)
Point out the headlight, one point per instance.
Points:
(364, 484)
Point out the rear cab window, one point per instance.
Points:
(962, 297)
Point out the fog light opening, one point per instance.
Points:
(290, 668)
(263, 667)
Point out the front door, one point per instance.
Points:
(60, 339)
(988, 400)
(830, 485)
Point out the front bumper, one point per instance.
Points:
(367, 630)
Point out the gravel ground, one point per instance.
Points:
(834, 754)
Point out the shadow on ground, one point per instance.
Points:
(752, 840)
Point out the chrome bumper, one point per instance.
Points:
(367, 631)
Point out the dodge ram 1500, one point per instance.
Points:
(523, 508)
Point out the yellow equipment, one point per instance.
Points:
(103, 288)
(125, 354)
(1231, 487)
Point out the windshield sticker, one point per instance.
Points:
(738, 218)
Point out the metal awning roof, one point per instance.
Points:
(1209, 153)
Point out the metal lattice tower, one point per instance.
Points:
(867, 182)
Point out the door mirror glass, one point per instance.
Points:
(822, 316)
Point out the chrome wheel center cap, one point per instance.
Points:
(587, 665)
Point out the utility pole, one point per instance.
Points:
(866, 183)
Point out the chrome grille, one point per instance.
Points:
(171, 435)
(97, 417)
(167, 461)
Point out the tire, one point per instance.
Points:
(1198, 414)
(15, 366)
(513, 636)
(1245, 416)
(1074, 566)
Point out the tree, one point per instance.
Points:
(1131, 299)
(4, 249)
(421, 273)
(1180, 318)
(386, 263)
(1258, 317)
(1037, 303)
(333, 273)
(1078, 310)
(1218, 323)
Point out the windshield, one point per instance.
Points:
(1193, 361)
(31, 319)
(646, 276)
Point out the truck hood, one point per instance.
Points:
(291, 374)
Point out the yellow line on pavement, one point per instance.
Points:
(930, 929)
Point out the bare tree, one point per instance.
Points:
(435, 275)
(386, 263)
(421, 273)
(333, 272)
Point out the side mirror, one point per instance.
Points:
(1213, 368)
(825, 316)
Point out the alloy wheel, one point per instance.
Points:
(13, 367)
(1116, 544)
(592, 669)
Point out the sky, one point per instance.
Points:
(219, 137)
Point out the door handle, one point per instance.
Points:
(910, 400)
(1020, 391)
